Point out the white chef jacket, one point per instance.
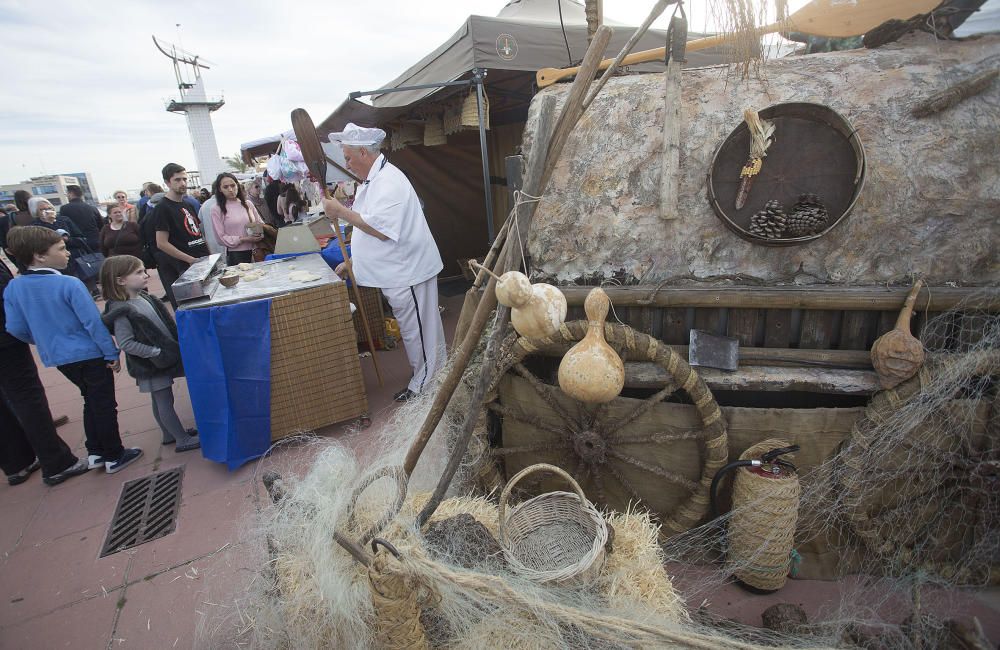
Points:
(388, 203)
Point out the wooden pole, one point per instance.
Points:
(595, 18)
(671, 165)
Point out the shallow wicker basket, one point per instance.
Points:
(554, 537)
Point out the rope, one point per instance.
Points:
(762, 528)
(518, 202)
(497, 591)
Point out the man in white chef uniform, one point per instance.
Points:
(392, 248)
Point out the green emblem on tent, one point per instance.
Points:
(506, 47)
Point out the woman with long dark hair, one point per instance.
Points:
(295, 206)
(235, 221)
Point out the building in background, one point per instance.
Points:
(51, 188)
(87, 184)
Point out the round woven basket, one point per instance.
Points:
(554, 537)
(762, 528)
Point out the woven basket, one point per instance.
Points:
(470, 112)
(405, 134)
(452, 118)
(762, 528)
(434, 131)
(555, 537)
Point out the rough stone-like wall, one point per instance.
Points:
(931, 203)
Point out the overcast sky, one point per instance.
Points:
(85, 87)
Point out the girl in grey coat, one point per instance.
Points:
(147, 334)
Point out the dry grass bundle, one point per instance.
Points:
(742, 20)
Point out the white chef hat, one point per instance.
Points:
(358, 136)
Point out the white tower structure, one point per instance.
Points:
(197, 108)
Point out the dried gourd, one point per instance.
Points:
(537, 310)
(592, 372)
(897, 355)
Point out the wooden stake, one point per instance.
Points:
(671, 166)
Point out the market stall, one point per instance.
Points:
(272, 355)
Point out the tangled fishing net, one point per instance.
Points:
(906, 511)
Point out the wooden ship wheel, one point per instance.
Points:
(621, 463)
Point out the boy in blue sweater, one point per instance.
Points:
(57, 314)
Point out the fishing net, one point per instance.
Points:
(907, 510)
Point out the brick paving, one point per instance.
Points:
(55, 592)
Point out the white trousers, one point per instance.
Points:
(416, 310)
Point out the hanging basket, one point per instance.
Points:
(815, 151)
(405, 134)
(434, 131)
(452, 118)
(555, 537)
(470, 112)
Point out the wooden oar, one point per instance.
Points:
(827, 18)
(315, 158)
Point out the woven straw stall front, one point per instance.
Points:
(315, 373)
(371, 300)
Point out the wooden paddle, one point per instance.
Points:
(315, 158)
(819, 18)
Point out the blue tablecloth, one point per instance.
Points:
(227, 359)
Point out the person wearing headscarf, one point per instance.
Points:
(392, 248)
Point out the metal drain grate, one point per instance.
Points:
(147, 510)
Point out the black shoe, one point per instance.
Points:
(24, 474)
(190, 432)
(127, 458)
(188, 446)
(404, 395)
(79, 467)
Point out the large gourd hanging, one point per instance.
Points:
(897, 355)
(592, 372)
(536, 310)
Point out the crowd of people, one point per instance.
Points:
(50, 302)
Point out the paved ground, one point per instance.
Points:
(56, 593)
(54, 590)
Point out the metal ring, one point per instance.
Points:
(378, 541)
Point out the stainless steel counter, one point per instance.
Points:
(274, 282)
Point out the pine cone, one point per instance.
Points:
(770, 222)
(809, 216)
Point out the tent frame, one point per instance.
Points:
(478, 76)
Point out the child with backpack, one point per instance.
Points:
(147, 335)
(56, 313)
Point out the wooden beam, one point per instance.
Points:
(858, 359)
(762, 378)
(823, 297)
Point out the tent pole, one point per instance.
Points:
(477, 76)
